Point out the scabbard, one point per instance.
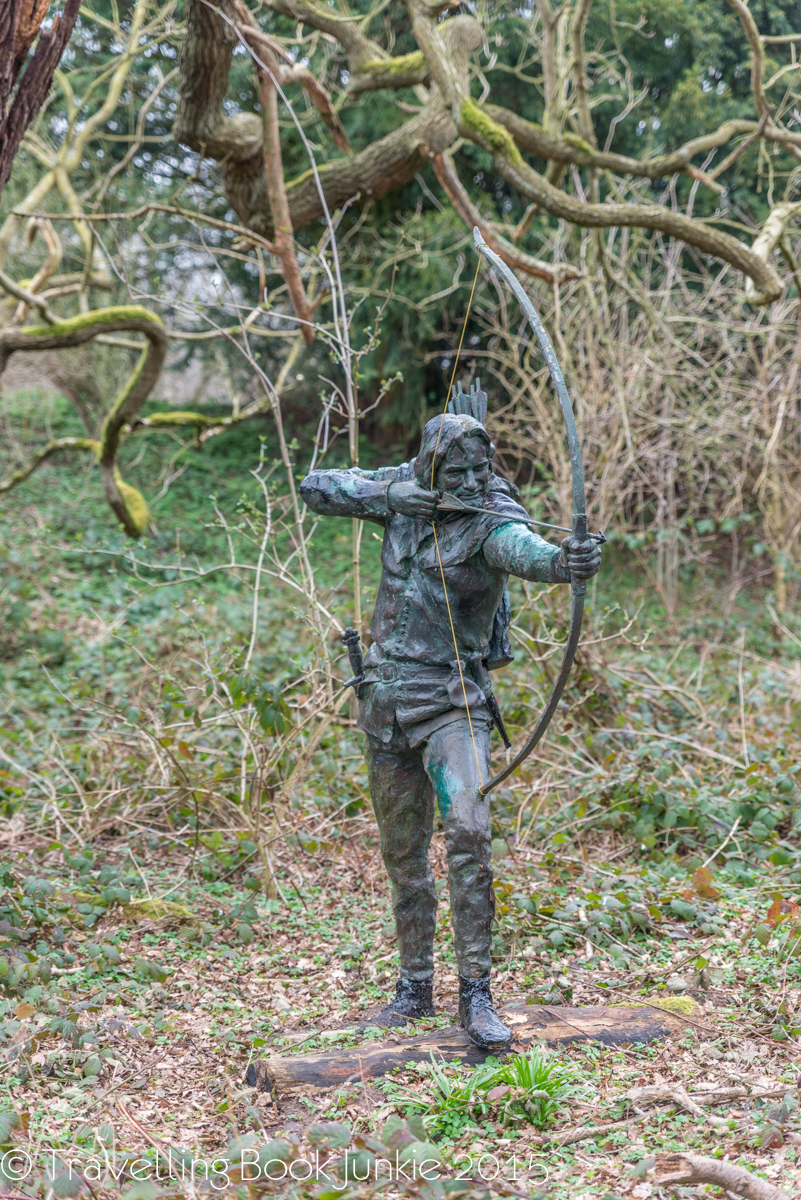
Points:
(495, 713)
(351, 639)
(475, 669)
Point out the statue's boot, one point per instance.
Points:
(414, 998)
(478, 1016)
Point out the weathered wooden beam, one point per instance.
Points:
(552, 1025)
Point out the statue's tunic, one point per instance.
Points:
(411, 684)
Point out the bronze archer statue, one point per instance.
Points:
(426, 711)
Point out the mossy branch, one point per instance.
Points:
(403, 64)
(767, 284)
(568, 148)
(65, 443)
(180, 418)
(477, 124)
(485, 132)
(126, 502)
(137, 514)
(442, 59)
(406, 70)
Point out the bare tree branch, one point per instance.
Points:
(377, 170)
(358, 47)
(65, 443)
(581, 90)
(569, 149)
(757, 56)
(136, 144)
(25, 297)
(267, 68)
(171, 209)
(291, 72)
(554, 64)
(447, 175)
(770, 235)
(46, 270)
(766, 281)
(681, 1168)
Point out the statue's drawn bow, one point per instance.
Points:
(579, 526)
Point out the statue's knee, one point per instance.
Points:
(410, 873)
(466, 823)
(470, 885)
(404, 851)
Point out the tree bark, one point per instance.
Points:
(236, 141)
(19, 24)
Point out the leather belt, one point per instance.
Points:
(389, 672)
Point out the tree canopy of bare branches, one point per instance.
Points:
(581, 184)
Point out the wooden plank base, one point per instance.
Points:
(552, 1025)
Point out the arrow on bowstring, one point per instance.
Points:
(451, 503)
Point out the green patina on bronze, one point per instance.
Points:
(440, 784)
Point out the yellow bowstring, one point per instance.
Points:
(434, 527)
(458, 660)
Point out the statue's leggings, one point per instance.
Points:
(403, 788)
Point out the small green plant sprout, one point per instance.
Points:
(530, 1087)
(454, 1099)
(536, 1086)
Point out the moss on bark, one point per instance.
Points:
(404, 64)
(492, 136)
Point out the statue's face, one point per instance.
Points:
(465, 471)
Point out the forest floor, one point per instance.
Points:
(138, 1046)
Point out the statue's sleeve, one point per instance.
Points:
(349, 493)
(517, 550)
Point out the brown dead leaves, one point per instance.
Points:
(703, 886)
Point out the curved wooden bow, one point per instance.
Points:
(579, 525)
